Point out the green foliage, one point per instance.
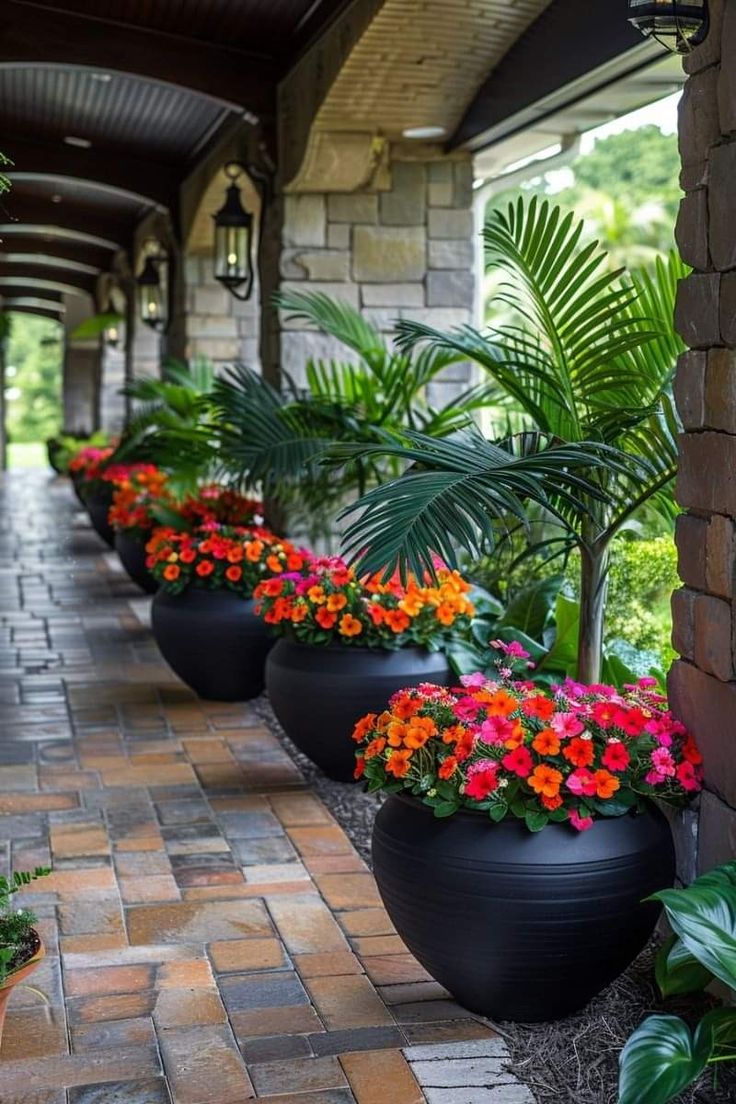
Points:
(95, 325)
(4, 180)
(33, 378)
(15, 925)
(66, 445)
(642, 576)
(663, 1056)
(591, 360)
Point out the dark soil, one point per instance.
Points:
(571, 1061)
(29, 945)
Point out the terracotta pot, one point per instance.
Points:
(17, 978)
(318, 693)
(519, 925)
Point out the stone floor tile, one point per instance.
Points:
(107, 980)
(348, 891)
(153, 887)
(121, 1006)
(394, 969)
(306, 925)
(198, 1058)
(300, 809)
(242, 955)
(349, 1001)
(299, 1019)
(139, 1062)
(327, 840)
(153, 1091)
(112, 1034)
(33, 1033)
(245, 992)
(379, 1076)
(187, 922)
(445, 1031)
(325, 965)
(188, 1007)
(326, 1096)
(365, 922)
(187, 973)
(297, 1075)
(379, 945)
(270, 1048)
(356, 1039)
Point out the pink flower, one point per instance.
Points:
(663, 762)
(496, 730)
(566, 724)
(654, 778)
(476, 680)
(581, 823)
(466, 709)
(514, 649)
(581, 782)
(519, 761)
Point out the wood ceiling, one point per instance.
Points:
(141, 87)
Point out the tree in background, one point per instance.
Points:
(33, 379)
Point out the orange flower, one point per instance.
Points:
(412, 604)
(498, 703)
(235, 554)
(349, 625)
(254, 551)
(551, 803)
(233, 573)
(397, 620)
(172, 572)
(336, 602)
(405, 707)
(316, 594)
(364, 726)
(445, 614)
(546, 742)
(384, 720)
(359, 768)
(579, 752)
(205, 568)
(270, 588)
(540, 707)
(454, 733)
(545, 780)
(298, 613)
(376, 613)
(516, 737)
(448, 768)
(396, 733)
(325, 619)
(273, 563)
(399, 763)
(606, 784)
(375, 747)
(187, 555)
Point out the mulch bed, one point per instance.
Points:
(571, 1061)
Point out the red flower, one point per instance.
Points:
(616, 757)
(359, 767)
(205, 568)
(482, 784)
(579, 752)
(325, 619)
(539, 706)
(519, 762)
(448, 768)
(234, 573)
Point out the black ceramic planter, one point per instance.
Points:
(213, 641)
(98, 507)
(318, 693)
(518, 925)
(132, 553)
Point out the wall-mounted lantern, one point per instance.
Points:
(234, 238)
(152, 292)
(677, 24)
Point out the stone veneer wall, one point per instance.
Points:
(703, 681)
(217, 325)
(403, 253)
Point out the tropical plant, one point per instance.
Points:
(18, 941)
(590, 359)
(4, 180)
(663, 1056)
(277, 438)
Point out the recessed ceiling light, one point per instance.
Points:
(104, 78)
(424, 132)
(81, 143)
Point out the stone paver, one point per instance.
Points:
(212, 937)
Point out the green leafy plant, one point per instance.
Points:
(18, 941)
(590, 359)
(664, 1056)
(4, 180)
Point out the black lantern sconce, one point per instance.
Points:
(152, 292)
(111, 336)
(234, 235)
(677, 24)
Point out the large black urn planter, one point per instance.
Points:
(132, 553)
(518, 925)
(98, 507)
(213, 641)
(318, 693)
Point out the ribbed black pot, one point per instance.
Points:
(53, 448)
(98, 507)
(77, 479)
(318, 693)
(518, 925)
(213, 641)
(132, 553)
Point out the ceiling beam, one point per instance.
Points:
(34, 33)
(23, 284)
(112, 169)
(59, 250)
(30, 214)
(22, 272)
(569, 40)
(20, 307)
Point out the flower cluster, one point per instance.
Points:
(215, 503)
(510, 749)
(134, 499)
(89, 461)
(327, 602)
(219, 558)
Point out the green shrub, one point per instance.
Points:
(642, 577)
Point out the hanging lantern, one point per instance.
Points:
(111, 336)
(234, 240)
(151, 297)
(677, 24)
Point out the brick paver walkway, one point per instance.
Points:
(212, 935)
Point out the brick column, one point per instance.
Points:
(703, 680)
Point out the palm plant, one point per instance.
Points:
(589, 357)
(278, 438)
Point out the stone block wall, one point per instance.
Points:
(703, 680)
(407, 252)
(217, 325)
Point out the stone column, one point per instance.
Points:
(112, 379)
(404, 251)
(703, 680)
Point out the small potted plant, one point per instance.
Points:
(203, 618)
(521, 835)
(347, 643)
(133, 519)
(21, 948)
